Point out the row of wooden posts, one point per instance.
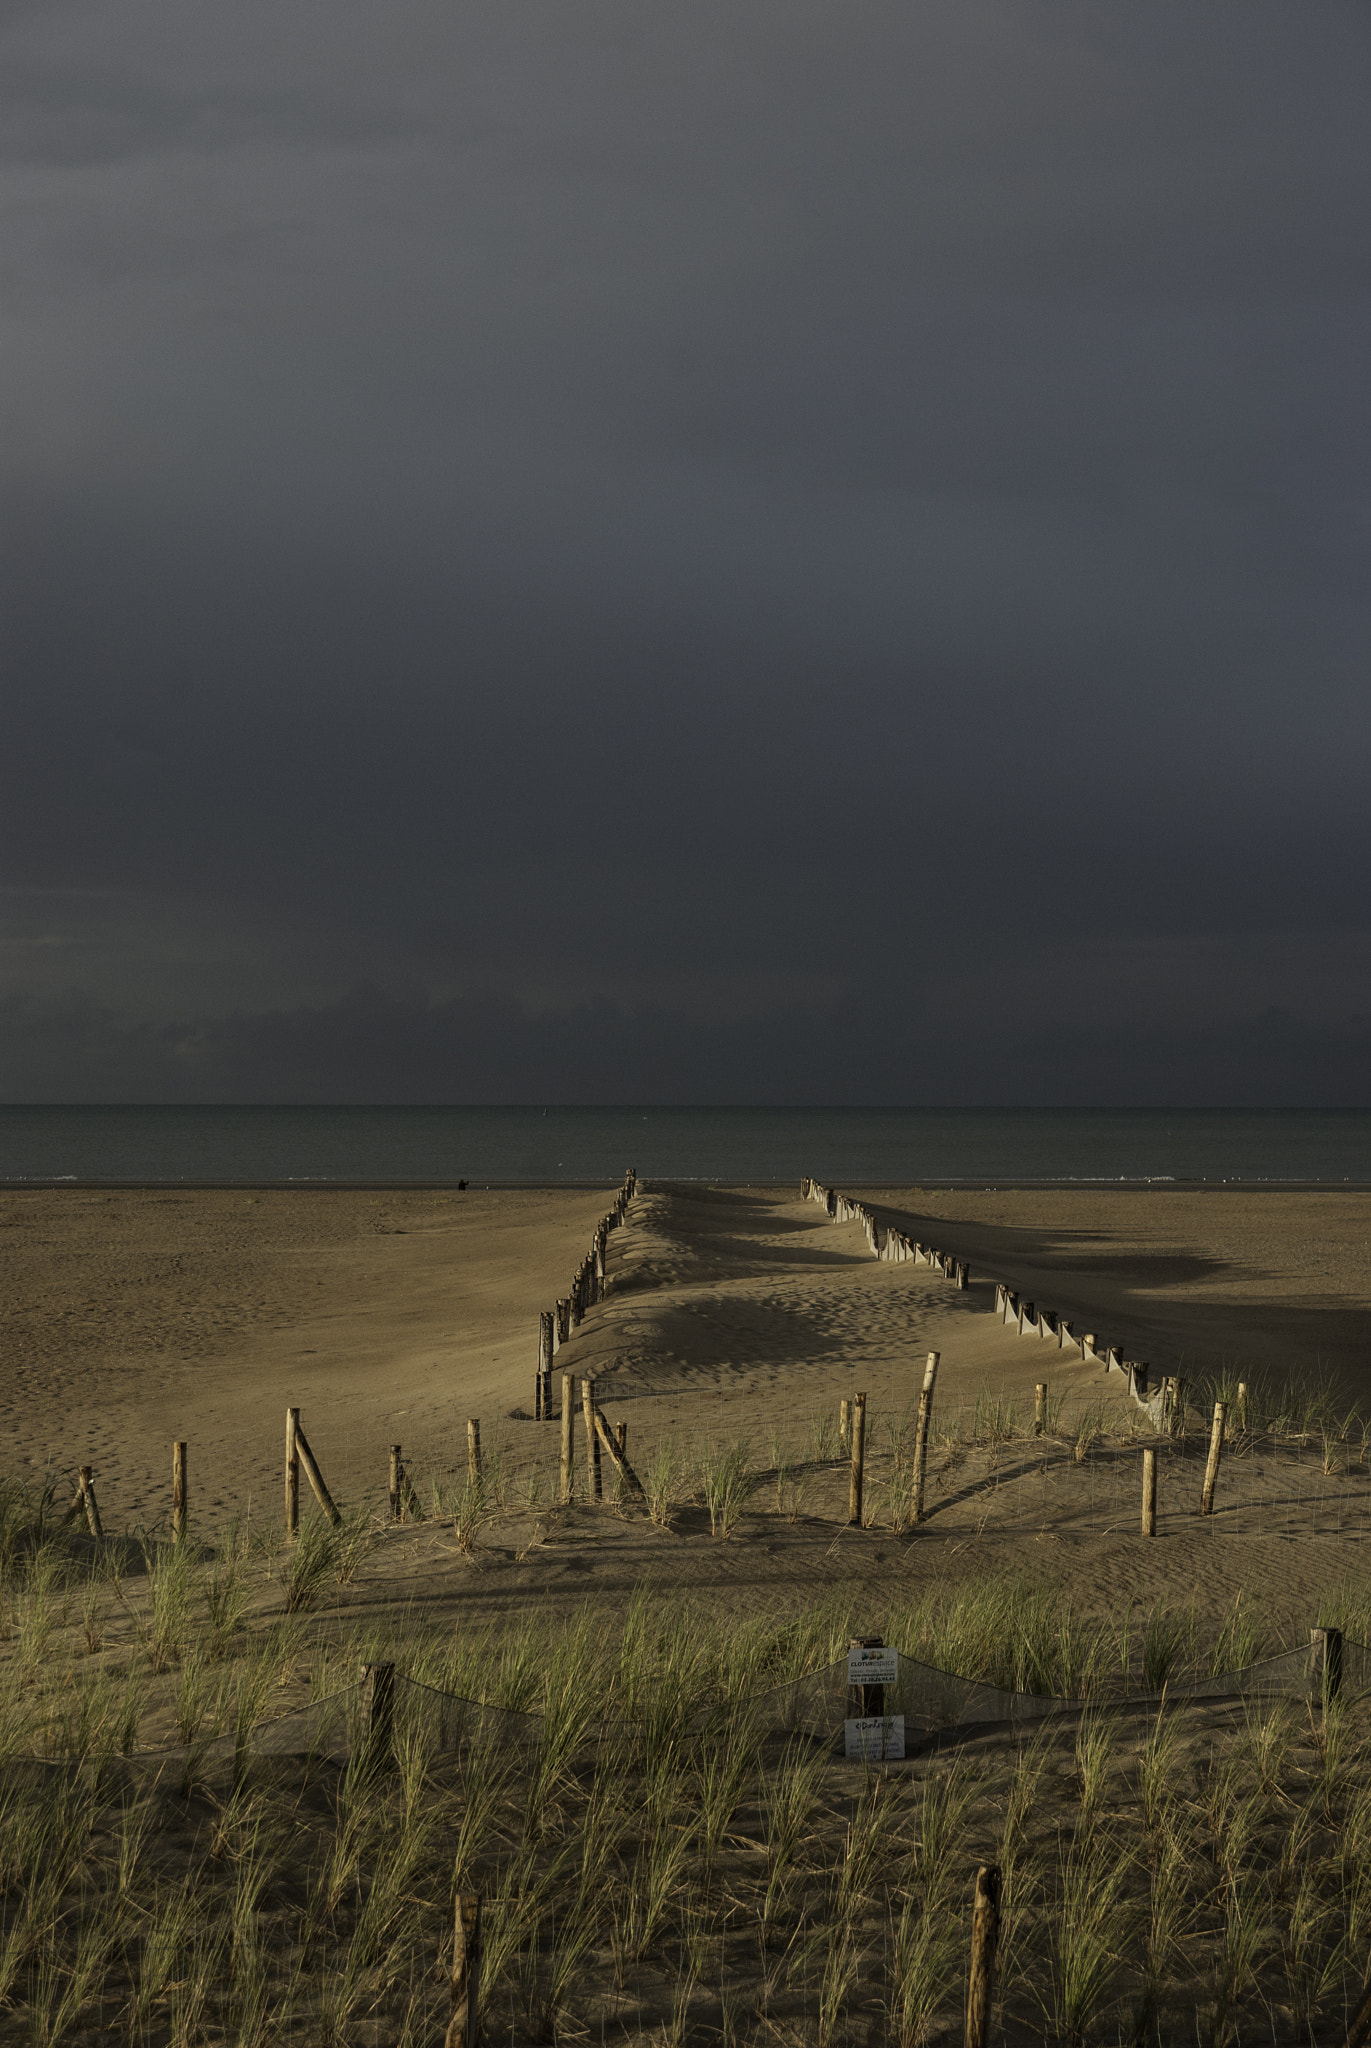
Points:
(885, 1243)
(556, 1324)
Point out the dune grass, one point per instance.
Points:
(660, 1861)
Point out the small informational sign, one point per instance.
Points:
(874, 1739)
(873, 1667)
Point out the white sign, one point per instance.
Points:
(874, 1739)
(873, 1667)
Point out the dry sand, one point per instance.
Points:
(129, 1318)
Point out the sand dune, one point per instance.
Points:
(133, 1317)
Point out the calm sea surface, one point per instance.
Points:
(535, 1144)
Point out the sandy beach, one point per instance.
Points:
(134, 1317)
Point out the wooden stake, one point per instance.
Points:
(312, 1473)
(1325, 1664)
(1242, 1404)
(1211, 1470)
(854, 1491)
(395, 1482)
(1149, 1499)
(1040, 1407)
(985, 1938)
(292, 1472)
(464, 2027)
(568, 1435)
(178, 1493)
(88, 1502)
(592, 1440)
(473, 1452)
(921, 1435)
(628, 1478)
(542, 1400)
(378, 1712)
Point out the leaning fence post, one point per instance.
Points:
(857, 1418)
(1149, 1497)
(292, 1473)
(464, 2027)
(568, 1434)
(1325, 1664)
(1211, 1470)
(378, 1711)
(178, 1492)
(592, 1440)
(985, 1936)
(86, 1483)
(1040, 1407)
(921, 1435)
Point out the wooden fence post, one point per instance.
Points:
(1040, 1407)
(464, 2027)
(854, 1491)
(178, 1492)
(395, 1482)
(1211, 1470)
(592, 1440)
(921, 1436)
(1242, 1404)
(292, 1473)
(1149, 1497)
(86, 1483)
(985, 1937)
(542, 1386)
(473, 1452)
(305, 1456)
(1325, 1664)
(378, 1712)
(568, 1435)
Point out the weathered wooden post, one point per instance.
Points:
(464, 2027)
(600, 1265)
(395, 1482)
(1040, 1407)
(592, 1440)
(1242, 1404)
(473, 1452)
(86, 1482)
(292, 1473)
(1325, 1664)
(563, 1314)
(621, 1445)
(854, 1491)
(178, 1492)
(305, 1458)
(568, 1435)
(985, 1939)
(925, 1416)
(542, 1392)
(378, 1712)
(1149, 1494)
(1211, 1470)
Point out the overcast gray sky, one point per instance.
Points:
(606, 551)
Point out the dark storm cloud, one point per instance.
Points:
(654, 542)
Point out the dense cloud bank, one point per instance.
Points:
(752, 552)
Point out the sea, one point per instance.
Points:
(384, 1146)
